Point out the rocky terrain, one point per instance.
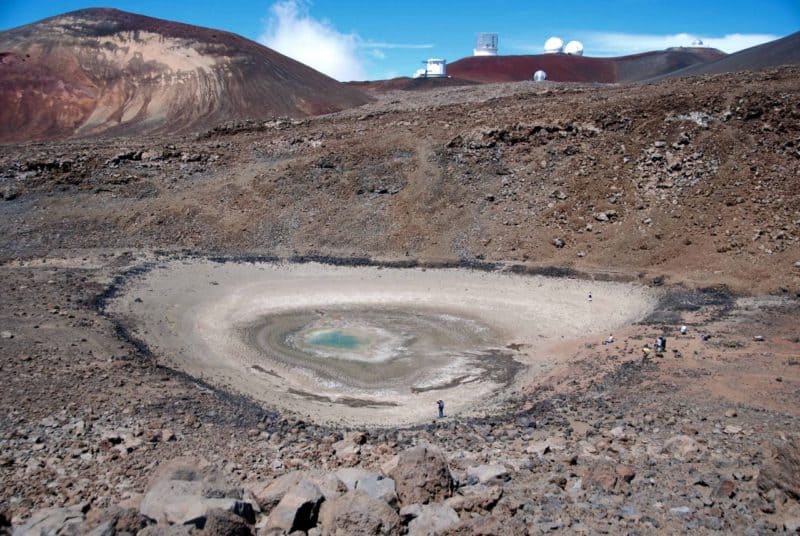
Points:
(104, 71)
(689, 185)
(691, 180)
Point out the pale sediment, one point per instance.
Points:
(366, 345)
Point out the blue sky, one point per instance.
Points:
(380, 39)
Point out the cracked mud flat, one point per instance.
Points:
(367, 345)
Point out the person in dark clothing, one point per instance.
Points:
(440, 404)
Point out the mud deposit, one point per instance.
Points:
(366, 345)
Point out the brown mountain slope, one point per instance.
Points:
(566, 68)
(107, 71)
(693, 179)
(784, 51)
(404, 83)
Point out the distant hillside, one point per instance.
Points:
(106, 71)
(784, 51)
(566, 68)
(404, 83)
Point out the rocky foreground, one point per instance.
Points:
(417, 492)
(699, 438)
(688, 184)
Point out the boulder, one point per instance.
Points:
(356, 513)
(475, 498)
(603, 477)
(681, 447)
(783, 470)
(116, 519)
(225, 523)
(433, 519)
(373, 484)
(54, 522)
(269, 495)
(488, 474)
(297, 510)
(182, 502)
(329, 484)
(421, 475)
(350, 446)
(349, 476)
(792, 525)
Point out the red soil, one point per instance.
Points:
(565, 68)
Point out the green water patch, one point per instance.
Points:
(336, 338)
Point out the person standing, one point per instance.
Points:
(440, 405)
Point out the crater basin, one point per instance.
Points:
(366, 345)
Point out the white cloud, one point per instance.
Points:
(619, 44)
(292, 31)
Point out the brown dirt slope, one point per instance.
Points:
(784, 51)
(404, 83)
(565, 68)
(107, 71)
(690, 178)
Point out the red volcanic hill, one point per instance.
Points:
(567, 68)
(107, 71)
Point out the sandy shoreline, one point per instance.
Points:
(190, 313)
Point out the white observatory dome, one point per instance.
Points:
(574, 48)
(554, 45)
(540, 76)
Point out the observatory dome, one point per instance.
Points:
(554, 45)
(540, 76)
(574, 48)
(697, 43)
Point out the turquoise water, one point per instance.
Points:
(335, 338)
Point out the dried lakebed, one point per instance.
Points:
(366, 345)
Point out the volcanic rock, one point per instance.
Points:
(182, 502)
(432, 519)
(488, 474)
(422, 475)
(116, 519)
(373, 484)
(224, 523)
(475, 498)
(269, 495)
(357, 513)
(297, 510)
(54, 521)
(783, 470)
(681, 447)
